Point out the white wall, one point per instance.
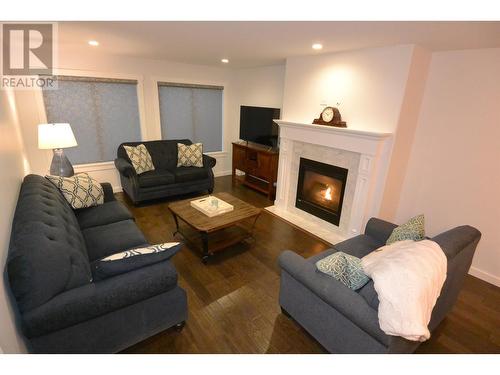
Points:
(369, 84)
(379, 89)
(404, 134)
(29, 117)
(453, 175)
(261, 86)
(14, 166)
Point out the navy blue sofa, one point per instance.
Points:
(61, 308)
(167, 179)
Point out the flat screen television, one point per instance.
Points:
(257, 125)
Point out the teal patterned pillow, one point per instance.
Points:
(345, 268)
(413, 229)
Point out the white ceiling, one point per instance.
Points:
(248, 44)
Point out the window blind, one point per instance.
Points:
(193, 112)
(102, 113)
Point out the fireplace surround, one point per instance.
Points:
(365, 154)
(320, 189)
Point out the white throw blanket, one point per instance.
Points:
(408, 277)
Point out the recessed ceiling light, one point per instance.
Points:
(94, 43)
(317, 46)
(225, 61)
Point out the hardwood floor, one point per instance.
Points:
(233, 300)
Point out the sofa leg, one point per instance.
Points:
(179, 326)
(210, 191)
(284, 312)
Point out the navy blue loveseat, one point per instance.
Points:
(62, 310)
(167, 179)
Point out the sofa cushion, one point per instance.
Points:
(132, 259)
(156, 178)
(367, 291)
(358, 246)
(109, 239)
(190, 156)
(413, 229)
(80, 190)
(140, 158)
(99, 298)
(106, 213)
(47, 252)
(344, 268)
(186, 174)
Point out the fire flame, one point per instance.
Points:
(328, 193)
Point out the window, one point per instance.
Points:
(102, 113)
(193, 112)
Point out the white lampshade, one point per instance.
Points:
(51, 136)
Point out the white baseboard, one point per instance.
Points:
(223, 173)
(117, 189)
(485, 276)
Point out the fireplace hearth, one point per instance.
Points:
(320, 189)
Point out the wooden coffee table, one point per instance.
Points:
(218, 232)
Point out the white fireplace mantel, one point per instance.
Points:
(362, 141)
(366, 189)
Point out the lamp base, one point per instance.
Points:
(61, 166)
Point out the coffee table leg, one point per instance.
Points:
(204, 239)
(254, 222)
(176, 224)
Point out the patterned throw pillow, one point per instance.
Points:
(130, 260)
(413, 229)
(344, 268)
(190, 156)
(140, 158)
(80, 190)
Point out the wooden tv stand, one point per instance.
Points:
(260, 165)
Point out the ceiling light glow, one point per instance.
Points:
(94, 43)
(317, 46)
(225, 61)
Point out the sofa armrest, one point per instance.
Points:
(124, 167)
(346, 301)
(208, 161)
(108, 192)
(379, 230)
(453, 241)
(98, 298)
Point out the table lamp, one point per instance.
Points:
(57, 137)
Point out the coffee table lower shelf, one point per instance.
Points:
(212, 242)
